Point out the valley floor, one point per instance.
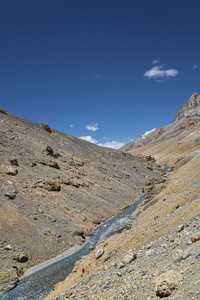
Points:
(158, 257)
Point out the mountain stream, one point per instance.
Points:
(39, 281)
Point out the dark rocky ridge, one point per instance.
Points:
(55, 188)
(190, 109)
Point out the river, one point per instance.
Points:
(39, 281)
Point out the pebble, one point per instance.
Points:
(180, 228)
(129, 257)
(8, 247)
(121, 265)
(99, 253)
(195, 237)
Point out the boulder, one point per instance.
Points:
(99, 253)
(3, 111)
(8, 247)
(22, 258)
(54, 165)
(166, 282)
(45, 127)
(195, 237)
(50, 185)
(10, 195)
(129, 257)
(12, 171)
(49, 151)
(180, 228)
(14, 162)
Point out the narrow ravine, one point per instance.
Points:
(40, 283)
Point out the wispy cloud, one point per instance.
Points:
(88, 138)
(194, 66)
(114, 144)
(157, 73)
(155, 62)
(129, 140)
(72, 125)
(92, 127)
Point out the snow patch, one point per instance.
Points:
(146, 133)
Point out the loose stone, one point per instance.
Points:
(195, 237)
(99, 253)
(129, 257)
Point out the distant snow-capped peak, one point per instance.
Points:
(146, 133)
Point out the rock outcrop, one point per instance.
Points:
(190, 109)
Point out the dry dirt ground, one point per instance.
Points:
(160, 255)
(55, 189)
(163, 238)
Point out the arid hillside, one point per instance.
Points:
(172, 142)
(159, 255)
(55, 189)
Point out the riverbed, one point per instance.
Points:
(39, 281)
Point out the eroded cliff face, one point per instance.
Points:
(55, 189)
(190, 109)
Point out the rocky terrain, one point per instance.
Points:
(158, 254)
(55, 189)
(172, 143)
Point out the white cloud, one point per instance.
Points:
(114, 144)
(194, 66)
(72, 125)
(155, 62)
(92, 127)
(88, 138)
(156, 73)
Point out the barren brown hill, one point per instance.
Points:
(174, 141)
(159, 255)
(55, 189)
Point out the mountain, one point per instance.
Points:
(190, 109)
(55, 188)
(177, 138)
(157, 256)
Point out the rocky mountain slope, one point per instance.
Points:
(182, 136)
(55, 189)
(158, 256)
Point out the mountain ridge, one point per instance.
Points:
(172, 135)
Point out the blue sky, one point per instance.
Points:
(107, 70)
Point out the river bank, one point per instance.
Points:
(165, 238)
(46, 275)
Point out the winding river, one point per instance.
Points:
(39, 281)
